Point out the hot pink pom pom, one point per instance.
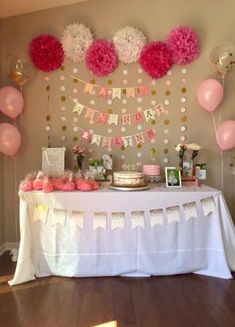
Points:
(101, 58)
(78, 182)
(85, 186)
(58, 183)
(94, 185)
(37, 184)
(46, 52)
(184, 43)
(26, 186)
(69, 186)
(48, 186)
(156, 59)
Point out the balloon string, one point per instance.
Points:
(222, 169)
(16, 199)
(214, 124)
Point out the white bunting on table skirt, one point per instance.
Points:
(57, 216)
(156, 217)
(100, 220)
(118, 219)
(173, 214)
(77, 218)
(40, 213)
(208, 205)
(190, 210)
(137, 219)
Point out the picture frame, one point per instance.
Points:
(53, 160)
(173, 177)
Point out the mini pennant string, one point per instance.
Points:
(173, 214)
(156, 217)
(100, 220)
(57, 216)
(78, 218)
(117, 220)
(190, 210)
(208, 205)
(137, 219)
(40, 213)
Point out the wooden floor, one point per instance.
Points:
(184, 300)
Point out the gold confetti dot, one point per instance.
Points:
(75, 138)
(167, 93)
(153, 150)
(48, 88)
(48, 118)
(166, 122)
(165, 151)
(183, 90)
(93, 81)
(62, 68)
(183, 119)
(153, 122)
(153, 92)
(110, 111)
(139, 146)
(63, 98)
(64, 128)
(124, 91)
(123, 148)
(110, 82)
(75, 80)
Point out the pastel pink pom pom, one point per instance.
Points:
(94, 185)
(184, 44)
(58, 183)
(101, 58)
(37, 184)
(78, 182)
(156, 59)
(48, 186)
(85, 186)
(69, 186)
(26, 186)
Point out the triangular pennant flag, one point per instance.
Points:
(190, 210)
(208, 205)
(130, 92)
(88, 88)
(137, 219)
(143, 90)
(90, 113)
(96, 139)
(127, 141)
(160, 109)
(113, 119)
(156, 217)
(117, 220)
(86, 136)
(126, 119)
(103, 92)
(107, 142)
(78, 108)
(173, 214)
(150, 134)
(117, 93)
(139, 138)
(117, 141)
(100, 220)
(102, 117)
(40, 213)
(138, 118)
(77, 218)
(149, 114)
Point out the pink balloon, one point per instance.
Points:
(226, 135)
(11, 101)
(10, 139)
(210, 94)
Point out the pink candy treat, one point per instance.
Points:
(69, 186)
(37, 184)
(48, 186)
(26, 186)
(85, 186)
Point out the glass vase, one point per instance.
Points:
(80, 162)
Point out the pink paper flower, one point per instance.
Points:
(184, 43)
(156, 59)
(46, 52)
(101, 58)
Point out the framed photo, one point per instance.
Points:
(53, 161)
(173, 177)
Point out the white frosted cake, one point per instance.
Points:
(128, 178)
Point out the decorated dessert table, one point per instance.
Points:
(159, 231)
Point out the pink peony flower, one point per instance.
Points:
(101, 58)
(156, 59)
(184, 44)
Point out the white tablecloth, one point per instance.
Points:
(159, 231)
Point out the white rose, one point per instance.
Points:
(178, 147)
(194, 147)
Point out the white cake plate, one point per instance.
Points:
(129, 188)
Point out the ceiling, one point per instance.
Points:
(10, 8)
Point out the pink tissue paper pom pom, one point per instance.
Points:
(184, 43)
(69, 186)
(156, 59)
(58, 183)
(37, 184)
(85, 186)
(48, 186)
(101, 58)
(26, 186)
(94, 185)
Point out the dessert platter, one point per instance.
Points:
(129, 181)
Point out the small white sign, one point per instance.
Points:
(53, 161)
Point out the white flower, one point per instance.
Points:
(194, 147)
(129, 42)
(76, 39)
(180, 146)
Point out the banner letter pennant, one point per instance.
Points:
(117, 220)
(127, 141)
(156, 217)
(78, 108)
(96, 139)
(86, 136)
(57, 216)
(137, 219)
(173, 214)
(88, 88)
(130, 92)
(138, 118)
(117, 141)
(190, 210)
(78, 218)
(113, 119)
(208, 205)
(102, 118)
(149, 114)
(160, 110)
(117, 93)
(40, 213)
(107, 141)
(143, 90)
(139, 138)
(100, 220)
(126, 119)
(103, 92)
(90, 113)
(150, 134)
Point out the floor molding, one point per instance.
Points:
(8, 246)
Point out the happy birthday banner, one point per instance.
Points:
(115, 119)
(114, 92)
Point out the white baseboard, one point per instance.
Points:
(8, 246)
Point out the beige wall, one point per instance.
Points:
(214, 22)
(2, 225)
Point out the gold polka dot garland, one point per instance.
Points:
(168, 92)
(153, 92)
(63, 98)
(183, 119)
(75, 139)
(110, 82)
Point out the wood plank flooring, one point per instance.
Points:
(183, 300)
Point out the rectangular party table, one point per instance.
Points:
(160, 231)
